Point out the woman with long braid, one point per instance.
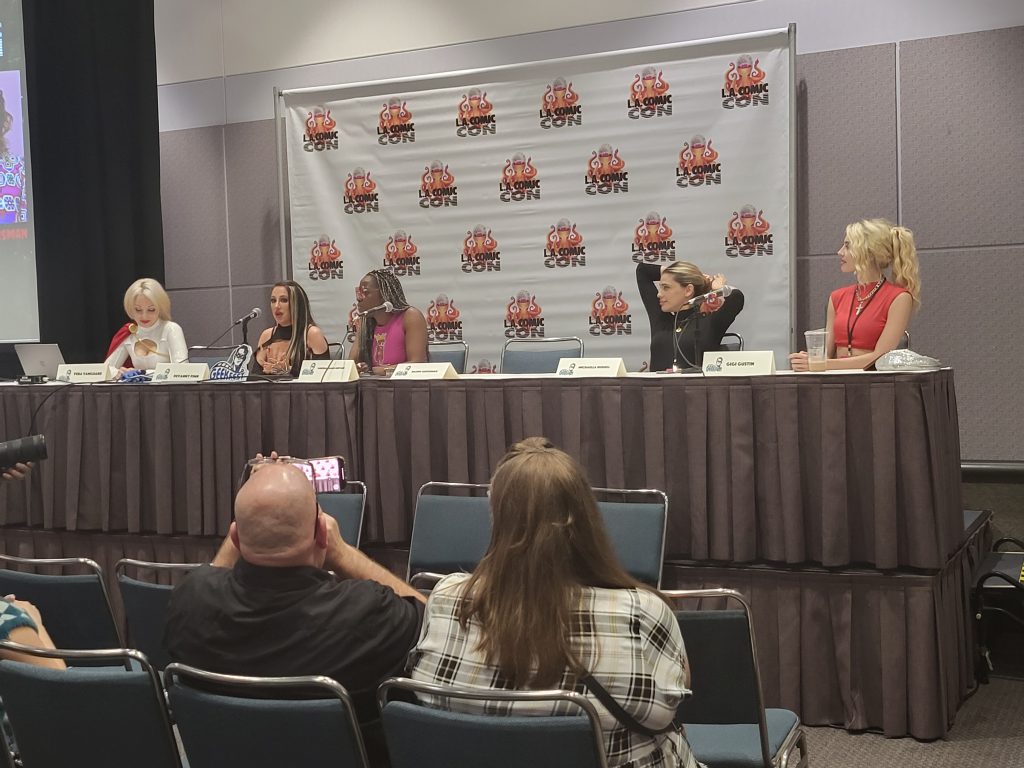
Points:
(294, 337)
(388, 331)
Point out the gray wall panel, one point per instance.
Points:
(194, 213)
(847, 142)
(244, 298)
(202, 313)
(962, 118)
(981, 340)
(253, 214)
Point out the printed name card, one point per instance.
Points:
(583, 367)
(424, 371)
(739, 363)
(320, 371)
(84, 373)
(175, 373)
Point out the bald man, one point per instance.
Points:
(267, 606)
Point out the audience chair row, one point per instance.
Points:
(122, 714)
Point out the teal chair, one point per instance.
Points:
(727, 724)
(348, 508)
(454, 352)
(449, 532)
(145, 604)
(525, 356)
(424, 737)
(231, 721)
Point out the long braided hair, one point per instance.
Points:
(390, 290)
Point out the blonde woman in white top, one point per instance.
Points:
(152, 337)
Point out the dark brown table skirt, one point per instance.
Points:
(860, 649)
(789, 469)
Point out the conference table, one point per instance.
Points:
(830, 469)
(831, 500)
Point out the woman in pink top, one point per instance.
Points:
(388, 330)
(867, 319)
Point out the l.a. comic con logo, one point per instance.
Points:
(475, 117)
(361, 192)
(350, 324)
(400, 254)
(480, 251)
(325, 260)
(564, 246)
(443, 323)
(698, 164)
(648, 95)
(606, 172)
(609, 314)
(437, 187)
(484, 366)
(745, 84)
(320, 133)
(749, 234)
(395, 125)
(560, 107)
(524, 318)
(519, 180)
(652, 240)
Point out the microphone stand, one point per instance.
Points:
(245, 330)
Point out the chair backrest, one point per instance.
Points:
(904, 342)
(538, 355)
(103, 716)
(348, 508)
(449, 533)
(423, 737)
(454, 352)
(145, 606)
(635, 521)
(210, 355)
(336, 350)
(722, 653)
(263, 721)
(75, 608)
(732, 342)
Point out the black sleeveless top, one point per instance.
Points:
(284, 333)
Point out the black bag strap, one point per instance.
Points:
(616, 710)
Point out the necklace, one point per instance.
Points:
(862, 302)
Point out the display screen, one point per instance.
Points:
(19, 312)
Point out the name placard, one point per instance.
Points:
(84, 373)
(739, 363)
(424, 371)
(175, 373)
(319, 371)
(583, 367)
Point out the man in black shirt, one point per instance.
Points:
(266, 606)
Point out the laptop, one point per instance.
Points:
(39, 359)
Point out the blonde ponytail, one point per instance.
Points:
(877, 244)
(904, 263)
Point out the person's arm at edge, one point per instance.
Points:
(177, 349)
(415, 326)
(646, 277)
(348, 562)
(17, 472)
(316, 342)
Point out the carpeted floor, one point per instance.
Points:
(988, 733)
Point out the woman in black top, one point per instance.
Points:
(681, 333)
(280, 349)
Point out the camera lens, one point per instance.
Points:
(23, 449)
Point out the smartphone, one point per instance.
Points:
(327, 474)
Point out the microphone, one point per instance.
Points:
(387, 306)
(724, 291)
(253, 314)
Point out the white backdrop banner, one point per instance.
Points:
(516, 202)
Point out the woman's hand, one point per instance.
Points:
(717, 281)
(798, 361)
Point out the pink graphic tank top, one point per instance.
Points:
(389, 341)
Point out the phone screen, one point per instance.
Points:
(327, 474)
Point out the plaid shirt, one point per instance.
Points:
(630, 641)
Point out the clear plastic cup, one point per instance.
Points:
(816, 359)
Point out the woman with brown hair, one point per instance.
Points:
(682, 332)
(549, 606)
